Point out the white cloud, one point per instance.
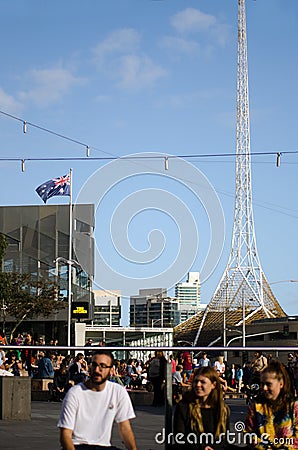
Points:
(180, 45)
(189, 99)
(192, 20)
(222, 33)
(102, 98)
(118, 42)
(119, 57)
(9, 103)
(137, 72)
(49, 85)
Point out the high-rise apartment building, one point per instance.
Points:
(153, 308)
(107, 308)
(188, 296)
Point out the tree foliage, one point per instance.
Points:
(22, 296)
(25, 297)
(3, 247)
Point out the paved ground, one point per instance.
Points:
(41, 432)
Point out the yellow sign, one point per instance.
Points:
(80, 310)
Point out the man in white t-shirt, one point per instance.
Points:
(90, 408)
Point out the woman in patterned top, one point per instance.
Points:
(273, 418)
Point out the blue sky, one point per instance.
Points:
(155, 76)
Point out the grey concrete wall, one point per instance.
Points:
(15, 398)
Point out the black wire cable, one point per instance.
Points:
(62, 136)
(114, 157)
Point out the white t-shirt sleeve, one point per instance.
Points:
(125, 410)
(69, 409)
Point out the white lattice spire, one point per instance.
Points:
(243, 291)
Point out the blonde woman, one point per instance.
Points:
(201, 419)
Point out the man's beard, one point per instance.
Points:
(99, 381)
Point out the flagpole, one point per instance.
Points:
(69, 262)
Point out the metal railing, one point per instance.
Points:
(196, 349)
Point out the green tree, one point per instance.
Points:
(25, 297)
(3, 247)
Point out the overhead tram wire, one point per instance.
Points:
(54, 133)
(269, 206)
(112, 157)
(136, 157)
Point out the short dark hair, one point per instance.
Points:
(105, 352)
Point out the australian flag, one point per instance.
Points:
(56, 186)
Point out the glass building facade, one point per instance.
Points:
(188, 296)
(153, 308)
(37, 236)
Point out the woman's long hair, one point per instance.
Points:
(214, 400)
(278, 370)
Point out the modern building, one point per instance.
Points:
(153, 307)
(270, 333)
(126, 336)
(107, 308)
(188, 296)
(38, 244)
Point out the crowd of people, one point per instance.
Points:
(27, 362)
(201, 415)
(94, 384)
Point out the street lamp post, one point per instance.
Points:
(153, 321)
(224, 322)
(3, 309)
(161, 300)
(185, 342)
(70, 263)
(284, 281)
(236, 338)
(243, 320)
